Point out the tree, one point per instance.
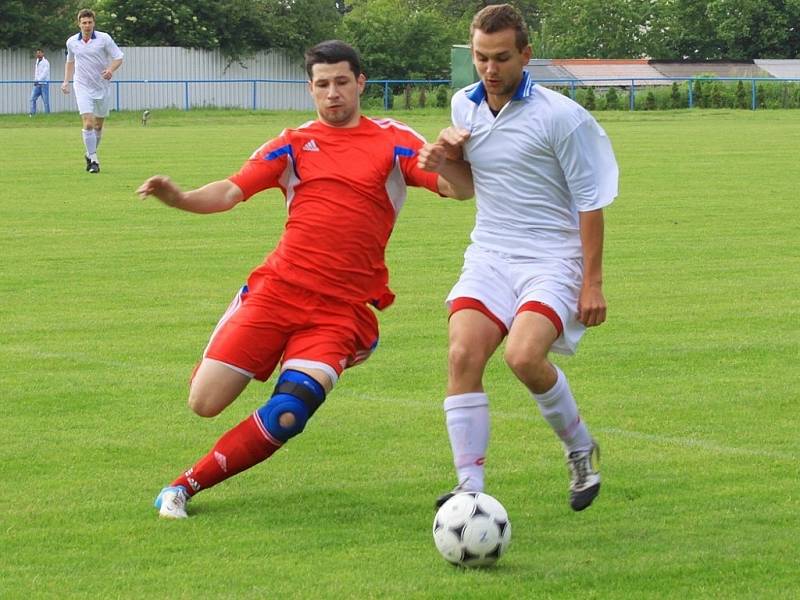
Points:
(398, 41)
(237, 27)
(46, 23)
(587, 28)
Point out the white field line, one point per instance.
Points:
(661, 440)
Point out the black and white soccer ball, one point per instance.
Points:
(472, 529)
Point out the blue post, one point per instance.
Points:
(385, 95)
(633, 95)
(691, 92)
(753, 94)
(572, 91)
(185, 95)
(254, 94)
(116, 93)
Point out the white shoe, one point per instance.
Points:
(584, 477)
(171, 502)
(465, 485)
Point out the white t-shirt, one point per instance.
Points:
(91, 59)
(41, 71)
(538, 163)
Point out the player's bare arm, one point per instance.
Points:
(455, 179)
(591, 302)
(445, 157)
(109, 72)
(453, 140)
(217, 196)
(69, 72)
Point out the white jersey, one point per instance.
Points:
(538, 163)
(41, 71)
(91, 59)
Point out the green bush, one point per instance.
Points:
(589, 99)
(741, 96)
(699, 94)
(442, 96)
(676, 101)
(612, 99)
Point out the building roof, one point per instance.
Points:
(715, 68)
(779, 68)
(603, 72)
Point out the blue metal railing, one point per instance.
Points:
(631, 83)
(624, 82)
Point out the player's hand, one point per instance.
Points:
(107, 74)
(452, 139)
(591, 306)
(431, 157)
(162, 188)
(65, 87)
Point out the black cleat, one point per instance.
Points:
(585, 477)
(88, 162)
(94, 167)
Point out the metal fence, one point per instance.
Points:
(291, 94)
(632, 87)
(160, 77)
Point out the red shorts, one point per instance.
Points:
(283, 323)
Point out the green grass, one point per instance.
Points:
(691, 386)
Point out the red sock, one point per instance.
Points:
(242, 447)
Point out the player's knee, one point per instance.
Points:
(295, 399)
(203, 404)
(527, 364)
(464, 358)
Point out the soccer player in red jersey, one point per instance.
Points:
(306, 307)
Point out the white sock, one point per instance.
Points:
(467, 418)
(90, 141)
(98, 134)
(558, 407)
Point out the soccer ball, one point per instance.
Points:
(471, 529)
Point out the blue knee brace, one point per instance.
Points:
(297, 394)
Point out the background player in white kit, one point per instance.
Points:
(543, 171)
(92, 58)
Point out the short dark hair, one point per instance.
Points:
(86, 12)
(499, 17)
(331, 52)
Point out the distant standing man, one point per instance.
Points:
(543, 171)
(41, 83)
(92, 58)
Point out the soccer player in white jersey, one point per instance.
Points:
(92, 58)
(543, 170)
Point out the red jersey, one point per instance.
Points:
(344, 188)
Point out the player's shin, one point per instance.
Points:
(560, 410)
(467, 419)
(295, 399)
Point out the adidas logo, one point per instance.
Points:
(311, 146)
(221, 461)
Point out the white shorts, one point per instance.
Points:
(503, 284)
(98, 107)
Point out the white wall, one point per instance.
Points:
(171, 64)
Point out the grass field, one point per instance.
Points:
(691, 386)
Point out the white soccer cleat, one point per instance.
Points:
(465, 485)
(171, 502)
(585, 477)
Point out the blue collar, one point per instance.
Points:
(80, 35)
(477, 92)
